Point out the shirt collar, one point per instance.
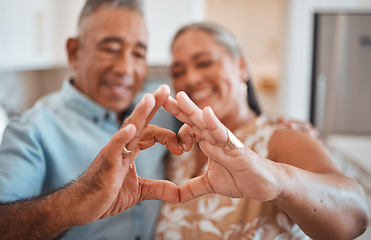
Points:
(86, 106)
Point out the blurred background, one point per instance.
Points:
(310, 59)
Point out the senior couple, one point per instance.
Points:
(67, 164)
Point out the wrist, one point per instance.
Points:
(60, 210)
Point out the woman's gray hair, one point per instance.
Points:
(219, 33)
(226, 39)
(93, 5)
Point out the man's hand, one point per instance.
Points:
(111, 184)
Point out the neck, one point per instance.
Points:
(234, 121)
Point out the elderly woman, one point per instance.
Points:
(277, 183)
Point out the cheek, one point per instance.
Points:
(140, 76)
(177, 85)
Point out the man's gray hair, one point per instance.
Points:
(93, 5)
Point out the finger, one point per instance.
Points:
(158, 189)
(194, 113)
(194, 188)
(217, 129)
(121, 138)
(161, 95)
(114, 148)
(186, 136)
(153, 134)
(145, 110)
(139, 117)
(191, 110)
(172, 107)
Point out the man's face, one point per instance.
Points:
(109, 58)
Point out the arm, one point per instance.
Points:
(313, 190)
(303, 182)
(109, 186)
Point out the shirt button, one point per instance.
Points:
(95, 119)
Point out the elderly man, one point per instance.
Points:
(53, 143)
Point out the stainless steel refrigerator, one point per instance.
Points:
(341, 74)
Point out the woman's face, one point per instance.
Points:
(208, 73)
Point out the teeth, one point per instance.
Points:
(201, 93)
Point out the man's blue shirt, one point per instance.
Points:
(55, 141)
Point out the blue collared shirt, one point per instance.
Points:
(55, 141)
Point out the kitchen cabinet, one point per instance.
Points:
(164, 18)
(33, 33)
(25, 33)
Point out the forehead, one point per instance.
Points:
(118, 22)
(194, 40)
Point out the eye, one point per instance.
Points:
(111, 48)
(139, 54)
(177, 73)
(204, 64)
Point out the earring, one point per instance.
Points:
(243, 87)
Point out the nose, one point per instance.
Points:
(192, 77)
(123, 65)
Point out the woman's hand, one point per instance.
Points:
(234, 173)
(302, 181)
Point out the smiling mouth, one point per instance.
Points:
(200, 95)
(118, 89)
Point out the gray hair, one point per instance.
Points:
(226, 39)
(219, 33)
(93, 5)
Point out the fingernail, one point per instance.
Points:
(180, 147)
(129, 126)
(159, 89)
(184, 147)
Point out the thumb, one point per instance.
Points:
(158, 189)
(194, 188)
(120, 139)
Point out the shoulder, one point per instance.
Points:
(38, 116)
(299, 149)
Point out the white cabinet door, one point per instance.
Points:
(65, 20)
(25, 38)
(164, 18)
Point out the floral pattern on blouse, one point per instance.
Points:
(214, 216)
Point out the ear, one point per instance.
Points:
(243, 68)
(73, 47)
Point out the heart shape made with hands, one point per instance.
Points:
(227, 167)
(111, 184)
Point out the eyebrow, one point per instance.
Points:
(200, 54)
(120, 40)
(142, 45)
(194, 57)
